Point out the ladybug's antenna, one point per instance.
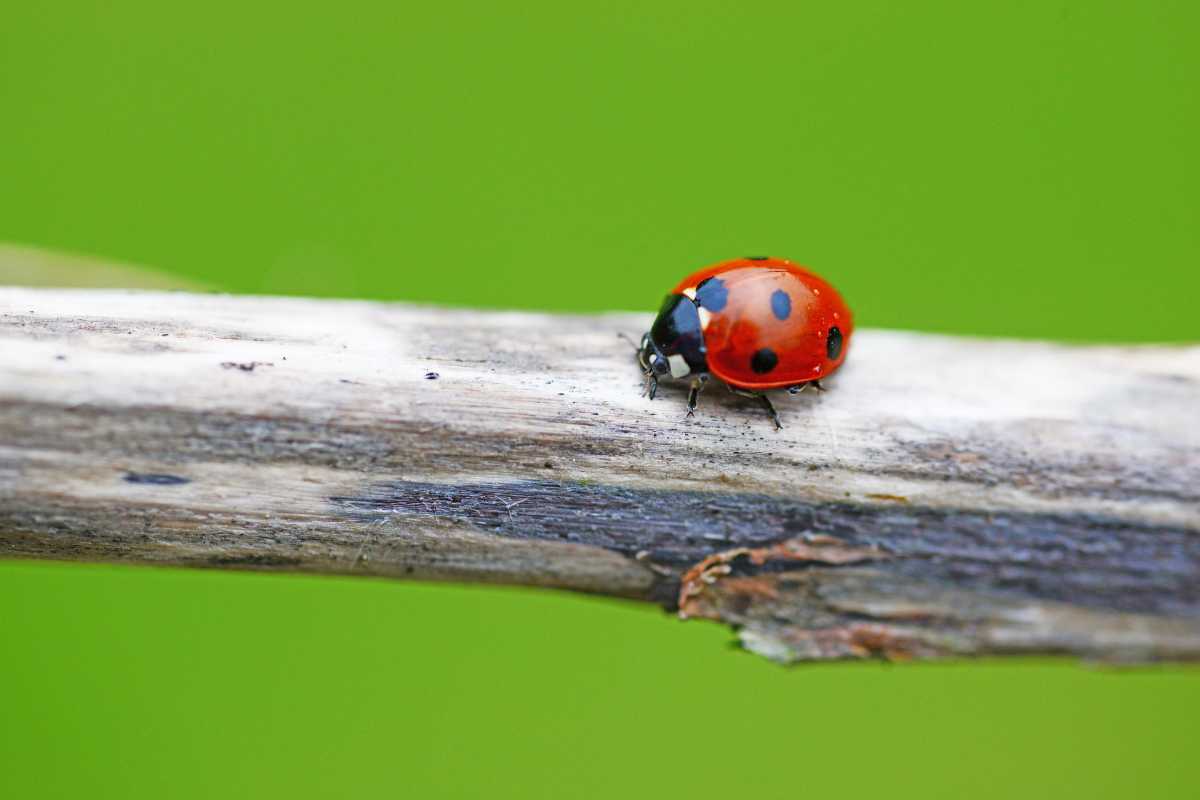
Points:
(634, 344)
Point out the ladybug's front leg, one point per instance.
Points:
(643, 355)
(651, 386)
(694, 392)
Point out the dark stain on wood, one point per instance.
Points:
(155, 478)
(1083, 559)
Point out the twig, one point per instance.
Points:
(946, 496)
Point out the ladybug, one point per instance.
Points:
(755, 323)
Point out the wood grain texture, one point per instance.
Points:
(946, 497)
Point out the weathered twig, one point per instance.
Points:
(947, 497)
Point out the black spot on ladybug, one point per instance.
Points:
(833, 345)
(763, 360)
(781, 304)
(757, 258)
(712, 294)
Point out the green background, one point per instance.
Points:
(1023, 169)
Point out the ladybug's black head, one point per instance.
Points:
(674, 347)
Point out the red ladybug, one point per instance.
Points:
(755, 323)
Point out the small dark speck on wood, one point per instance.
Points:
(246, 366)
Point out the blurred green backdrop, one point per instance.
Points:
(1025, 169)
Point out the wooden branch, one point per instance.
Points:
(946, 497)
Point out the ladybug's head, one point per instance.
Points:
(674, 346)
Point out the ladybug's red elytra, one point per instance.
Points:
(755, 323)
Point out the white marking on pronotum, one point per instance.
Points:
(690, 293)
(679, 366)
(705, 317)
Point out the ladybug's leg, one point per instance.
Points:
(763, 401)
(694, 393)
(770, 408)
(651, 387)
(817, 385)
